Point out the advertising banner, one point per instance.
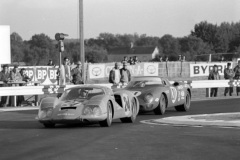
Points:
(203, 69)
(96, 71)
(47, 75)
(150, 69)
(141, 69)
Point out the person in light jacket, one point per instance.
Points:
(214, 75)
(228, 74)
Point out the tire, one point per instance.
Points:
(49, 125)
(108, 121)
(186, 106)
(134, 114)
(161, 108)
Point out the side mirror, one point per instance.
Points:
(59, 95)
(176, 83)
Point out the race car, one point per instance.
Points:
(157, 94)
(88, 103)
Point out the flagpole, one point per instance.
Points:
(82, 54)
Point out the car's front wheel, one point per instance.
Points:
(134, 113)
(161, 108)
(186, 106)
(108, 121)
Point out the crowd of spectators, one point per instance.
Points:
(69, 73)
(15, 75)
(229, 74)
(131, 61)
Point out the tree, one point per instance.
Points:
(206, 31)
(192, 47)
(16, 47)
(170, 46)
(95, 54)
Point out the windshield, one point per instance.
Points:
(81, 93)
(142, 84)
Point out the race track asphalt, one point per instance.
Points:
(23, 138)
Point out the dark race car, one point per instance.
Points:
(157, 94)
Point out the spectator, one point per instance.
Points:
(15, 75)
(125, 59)
(130, 61)
(166, 59)
(160, 59)
(135, 60)
(183, 59)
(21, 99)
(214, 75)
(5, 77)
(65, 72)
(222, 59)
(24, 75)
(50, 63)
(237, 75)
(125, 75)
(228, 74)
(180, 58)
(114, 76)
(77, 74)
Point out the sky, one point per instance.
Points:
(150, 17)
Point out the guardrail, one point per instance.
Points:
(51, 89)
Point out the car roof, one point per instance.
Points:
(142, 78)
(90, 86)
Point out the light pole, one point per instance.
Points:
(82, 54)
(60, 37)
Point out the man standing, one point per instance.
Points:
(15, 75)
(237, 75)
(125, 59)
(214, 75)
(65, 72)
(125, 75)
(228, 74)
(5, 77)
(114, 76)
(77, 74)
(135, 60)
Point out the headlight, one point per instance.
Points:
(49, 112)
(87, 111)
(148, 98)
(92, 110)
(97, 111)
(45, 112)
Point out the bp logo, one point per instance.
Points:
(96, 71)
(151, 69)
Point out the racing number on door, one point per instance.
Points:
(173, 94)
(126, 103)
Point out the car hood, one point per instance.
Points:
(72, 103)
(144, 89)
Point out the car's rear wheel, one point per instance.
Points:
(108, 121)
(49, 125)
(186, 106)
(134, 114)
(161, 108)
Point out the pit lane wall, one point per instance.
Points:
(47, 75)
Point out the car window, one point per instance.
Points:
(142, 84)
(81, 93)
